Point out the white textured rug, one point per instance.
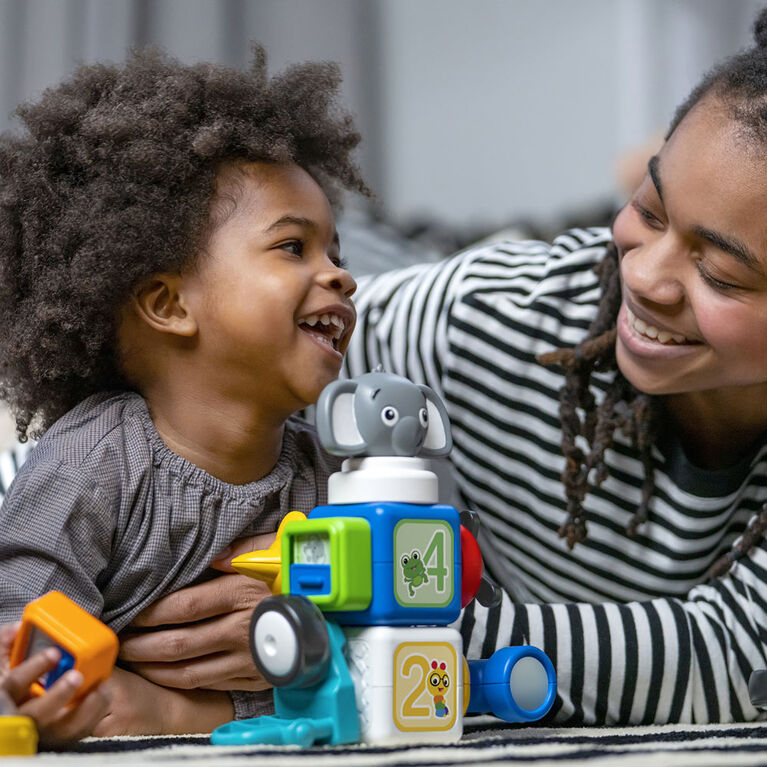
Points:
(485, 742)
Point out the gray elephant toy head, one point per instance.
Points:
(381, 413)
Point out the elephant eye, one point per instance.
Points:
(423, 417)
(390, 415)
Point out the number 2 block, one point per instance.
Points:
(409, 683)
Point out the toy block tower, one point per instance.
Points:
(369, 585)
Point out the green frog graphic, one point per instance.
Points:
(413, 571)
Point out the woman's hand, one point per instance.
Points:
(58, 720)
(139, 707)
(207, 644)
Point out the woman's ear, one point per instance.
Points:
(161, 304)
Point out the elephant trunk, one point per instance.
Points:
(408, 435)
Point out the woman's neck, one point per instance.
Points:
(718, 428)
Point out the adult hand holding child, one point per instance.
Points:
(198, 637)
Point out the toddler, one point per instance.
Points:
(171, 293)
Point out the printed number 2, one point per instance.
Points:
(410, 667)
(436, 550)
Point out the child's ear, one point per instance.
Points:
(161, 304)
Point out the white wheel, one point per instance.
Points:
(275, 643)
(289, 641)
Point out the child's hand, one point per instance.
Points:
(56, 720)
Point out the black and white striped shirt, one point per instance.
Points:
(635, 630)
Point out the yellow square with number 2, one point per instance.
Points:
(425, 684)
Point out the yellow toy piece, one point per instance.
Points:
(18, 736)
(266, 565)
(86, 644)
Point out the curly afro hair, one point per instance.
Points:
(112, 180)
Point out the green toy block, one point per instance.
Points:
(340, 544)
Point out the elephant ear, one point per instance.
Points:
(336, 424)
(438, 440)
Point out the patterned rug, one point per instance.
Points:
(486, 742)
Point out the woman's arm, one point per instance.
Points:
(402, 319)
(139, 707)
(659, 661)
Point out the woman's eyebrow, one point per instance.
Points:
(737, 249)
(652, 169)
(731, 245)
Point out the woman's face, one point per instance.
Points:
(693, 258)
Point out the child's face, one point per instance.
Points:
(272, 302)
(693, 249)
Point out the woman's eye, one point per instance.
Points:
(647, 216)
(709, 279)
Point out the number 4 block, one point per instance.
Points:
(415, 570)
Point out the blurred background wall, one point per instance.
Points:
(476, 114)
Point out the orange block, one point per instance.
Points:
(55, 620)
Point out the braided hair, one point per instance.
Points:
(112, 179)
(740, 83)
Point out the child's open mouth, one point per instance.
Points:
(325, 328)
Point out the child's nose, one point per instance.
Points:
(339, 279)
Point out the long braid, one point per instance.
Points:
(623, 407)
(751, 536)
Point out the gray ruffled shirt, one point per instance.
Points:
(104, 511)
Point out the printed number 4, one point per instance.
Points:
(436, 551)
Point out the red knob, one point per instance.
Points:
(471, 574)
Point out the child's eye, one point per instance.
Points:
(341, 263)
(296, 247)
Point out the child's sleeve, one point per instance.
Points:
(56, 531)
(659, 661)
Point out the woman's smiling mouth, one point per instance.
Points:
(652, 333)
(643, 340)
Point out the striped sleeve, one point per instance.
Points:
(403, 316)
(653, 662)
(401, 324)
(634, 632)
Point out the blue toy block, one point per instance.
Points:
(406, 593)
(66, 662)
